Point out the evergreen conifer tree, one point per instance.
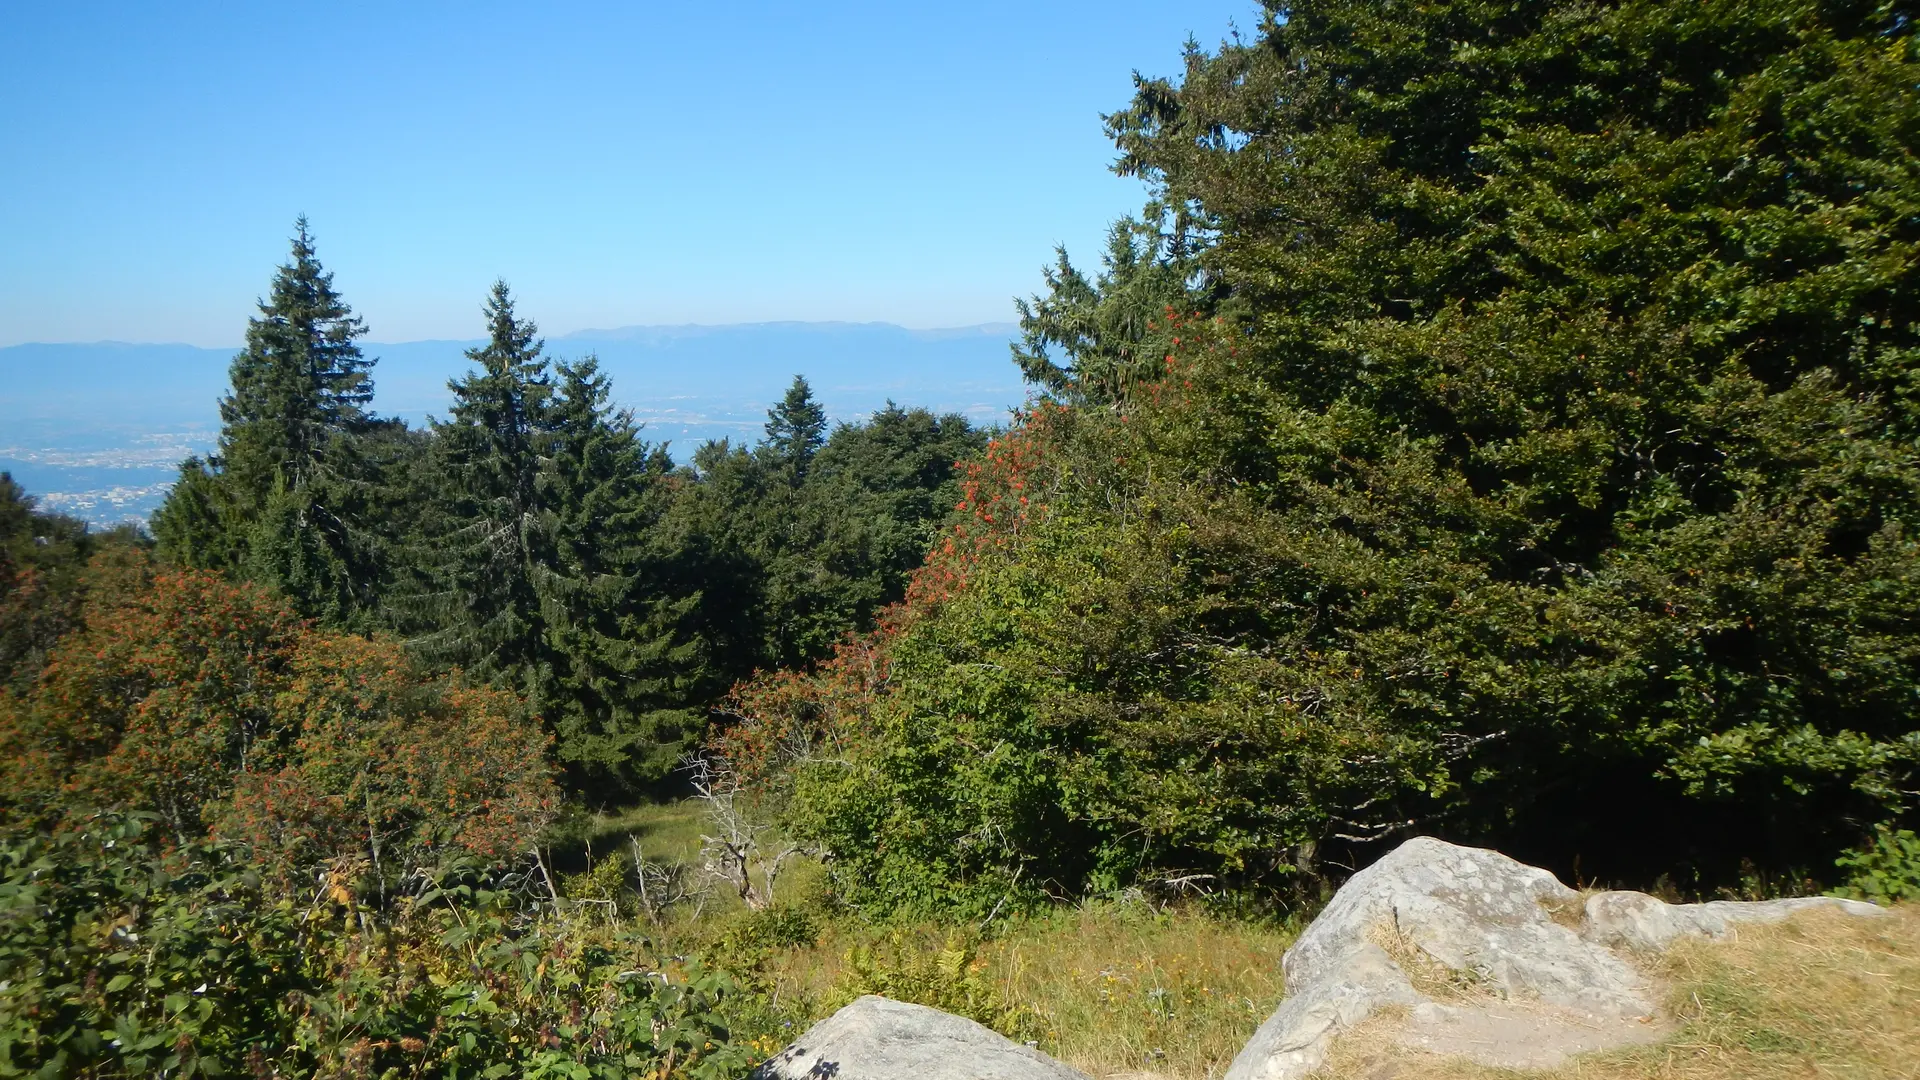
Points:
(796, 429)
(299, 384)
(1090, 339)
(488, 540)
(198, 525)
(274, 502)
(615, 616)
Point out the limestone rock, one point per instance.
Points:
(1511, 929)
(1478, 912)
(879, 1039)
(1345, 990)
(1639, 921)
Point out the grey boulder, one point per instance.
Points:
(1513, 929)
(876, 1038)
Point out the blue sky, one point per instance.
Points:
(618, 163)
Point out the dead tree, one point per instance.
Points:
(734, 852)
(659, 885)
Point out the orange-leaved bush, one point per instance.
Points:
(155, 702)
(391, 766)
(211, 704)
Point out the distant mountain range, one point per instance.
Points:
(97, 429)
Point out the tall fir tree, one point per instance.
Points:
(275, 503)
(618, 619)
(1089, 340)
(542, 569)
(301, 382)
(487, 542)
(796, 429)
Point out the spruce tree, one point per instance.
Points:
(299, 384)
(275, 503)
(796, 429)
(198, 525)
(488, 536)
(616, 616)
(1089, 340)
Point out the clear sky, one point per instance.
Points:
(618, 163)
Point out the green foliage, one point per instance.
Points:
(1110, 332)
(117, 960)
(535, 541)
(796, 429)
(951, 978)
(487, 543)
(1546, 442)
(619, 616)
(198, 525)
(607, 882)
(282, 499)
(542, 564)
(789, 567)
(1886, 870)
(121, 958)
(752, 936)
(300, 382)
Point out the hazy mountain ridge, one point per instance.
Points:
(97, 428)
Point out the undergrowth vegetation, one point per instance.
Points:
(1108, 986)
(129, 956)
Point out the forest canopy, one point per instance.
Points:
(1500, 422)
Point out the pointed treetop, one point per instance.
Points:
(300, 381)
(796, 428)
(510, 338)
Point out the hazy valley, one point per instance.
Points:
(98, 430)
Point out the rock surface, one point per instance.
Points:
(1639, 921)
(1510, 929)
(879, 1039)
(1520, 1034)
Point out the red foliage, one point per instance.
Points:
(997, 494)
(784, 715)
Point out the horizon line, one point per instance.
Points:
(577, 334)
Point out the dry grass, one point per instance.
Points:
(1176, 993)
(1117, 988)
(1822, 995)
(1122, 988)
(1427, 975)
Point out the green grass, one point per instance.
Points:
(1106, 987)
(668, 832)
